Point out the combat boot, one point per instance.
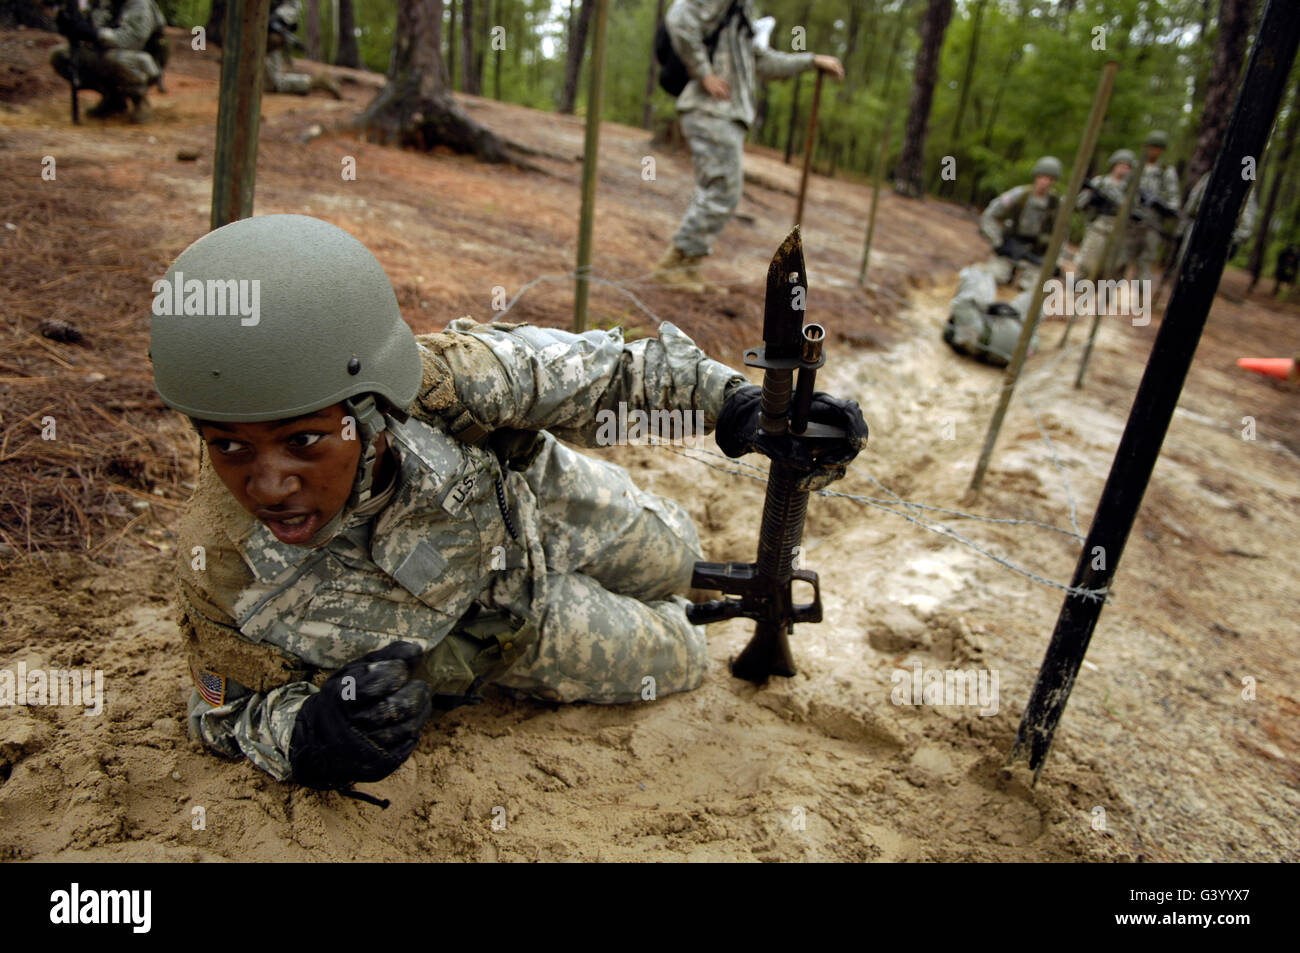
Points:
(328, 83)
(111, 104)
(141, 111)
(678, 270)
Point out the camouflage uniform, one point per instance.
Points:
(1245, 221)
(571, 597)
(117, 66)
(1088, 257)
(279, 77)
(1027, 216)
(716, 129)
(1145, 241)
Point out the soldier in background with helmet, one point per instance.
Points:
(1158, 189)
(1100, 199)
(279, 75)
(383, 523)
(1018, 223)
(120, 44)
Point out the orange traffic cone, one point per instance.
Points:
(1280, 367)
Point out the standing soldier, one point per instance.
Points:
(119, 45)
(715, 40)
(1158, 201)
(1244, 228)
(1101, 199)
(1018, 223)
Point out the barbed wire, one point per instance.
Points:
(750, 471)
(934, 527)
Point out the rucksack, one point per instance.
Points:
(673, 74)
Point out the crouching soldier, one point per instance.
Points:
(1018, 223)
(382, 523)
(121, 48)
(1101, 199)
(280, 37)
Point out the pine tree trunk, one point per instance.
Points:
(971, 55)
(652, 72)
(497, 55)
(312, 41)
(910, 179)
(794, 118)
(451, 45)
(794, 100)
(1275, 189)
(415, 108)
(348, 54)
(467, 77)
(900, 22)
(1235, 20)
(215, 28)
(855, 31)
(579, 24)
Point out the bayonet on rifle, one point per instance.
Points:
(765, 586)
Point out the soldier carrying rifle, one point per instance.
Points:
(1018, 223)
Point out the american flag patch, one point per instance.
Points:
(211, 686)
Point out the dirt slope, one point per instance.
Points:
(821, 766)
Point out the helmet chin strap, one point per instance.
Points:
(370, 423)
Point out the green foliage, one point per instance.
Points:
(1031, 83)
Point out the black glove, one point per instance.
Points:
(823, 459)
(77, 28)
(365, 736)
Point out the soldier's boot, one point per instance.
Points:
(678, 270)
(112, 104)
(328, 83)
(141, 111)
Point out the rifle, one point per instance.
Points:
(1150, 201)
(765, 586)
(1017, 250)
(68, 16)
(285, 32)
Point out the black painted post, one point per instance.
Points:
(1162, 382)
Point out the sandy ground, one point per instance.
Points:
(1158, 738)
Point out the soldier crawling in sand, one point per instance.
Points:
(383, 524)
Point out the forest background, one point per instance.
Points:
(1012, 80)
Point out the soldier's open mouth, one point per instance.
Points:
(295, 530)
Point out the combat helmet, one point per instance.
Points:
(278, 316)
(1048, 165)
(1157, 137)
(1121, 155)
